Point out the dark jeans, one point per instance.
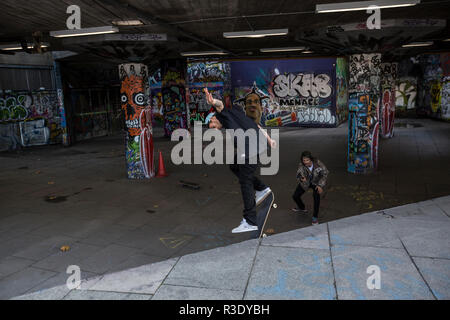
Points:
(249, 183)
(297, 198)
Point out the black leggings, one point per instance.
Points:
(249, 183)
(297, 198)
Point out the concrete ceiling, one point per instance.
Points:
(199, 25)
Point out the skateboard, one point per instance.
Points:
(189, 185)
(262, 213)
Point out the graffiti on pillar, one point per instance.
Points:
(405, 94)
(173, 91)
(364, 100)
(364, 72)
(435, 96)
(134, 95)
(363, 132)
(157, 106)
(445, 98)
(389, 73)
(174, 103)
(341, 89)
(387, 111)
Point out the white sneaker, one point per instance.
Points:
(261, 195)
(244, 227)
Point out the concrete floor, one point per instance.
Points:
(112, 223)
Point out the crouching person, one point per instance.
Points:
(311, 173)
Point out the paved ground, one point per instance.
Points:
(80, 196)
(408, 246)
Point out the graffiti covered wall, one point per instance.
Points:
(213, 75)
(301, 92)
(134, 95)
(38, 110)
(363, 123)
(433, 93)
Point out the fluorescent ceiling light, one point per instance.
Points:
(418, 44)
(364, 5)
(256, 33)
(135, 22)
(308, 51)
(18, 46)
(202, 53)
(282, 49)
(447, 39)
(83, 32)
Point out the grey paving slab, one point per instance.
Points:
(424, 211)
(136, 260)
(103, 295)
(399, 279)
(431, 243)
(220, 268)
(106, 235)
(54, 293)
(291, 273)
(437, 275)
(314, 237)
(22, 219)
(444, 204)
(22, 281)
(170, 292)
(107, 258)
(145, 279)
(59, 261)
(364, 230)
(11, 265)
(440, 200)
(9, 247)
(405, 227)
(45, 248)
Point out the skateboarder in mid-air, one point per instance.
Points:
(235, 118)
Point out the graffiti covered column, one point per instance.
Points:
(363, 122)
(388, 78)
(61, 110)
(134, 96)
(174, 96)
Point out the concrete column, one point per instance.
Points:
(61, 109)
(134, 96)
(389, 72)
(363, 123)
(173, 89)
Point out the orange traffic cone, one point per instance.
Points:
(161, 170)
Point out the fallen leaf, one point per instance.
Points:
(65, 248)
